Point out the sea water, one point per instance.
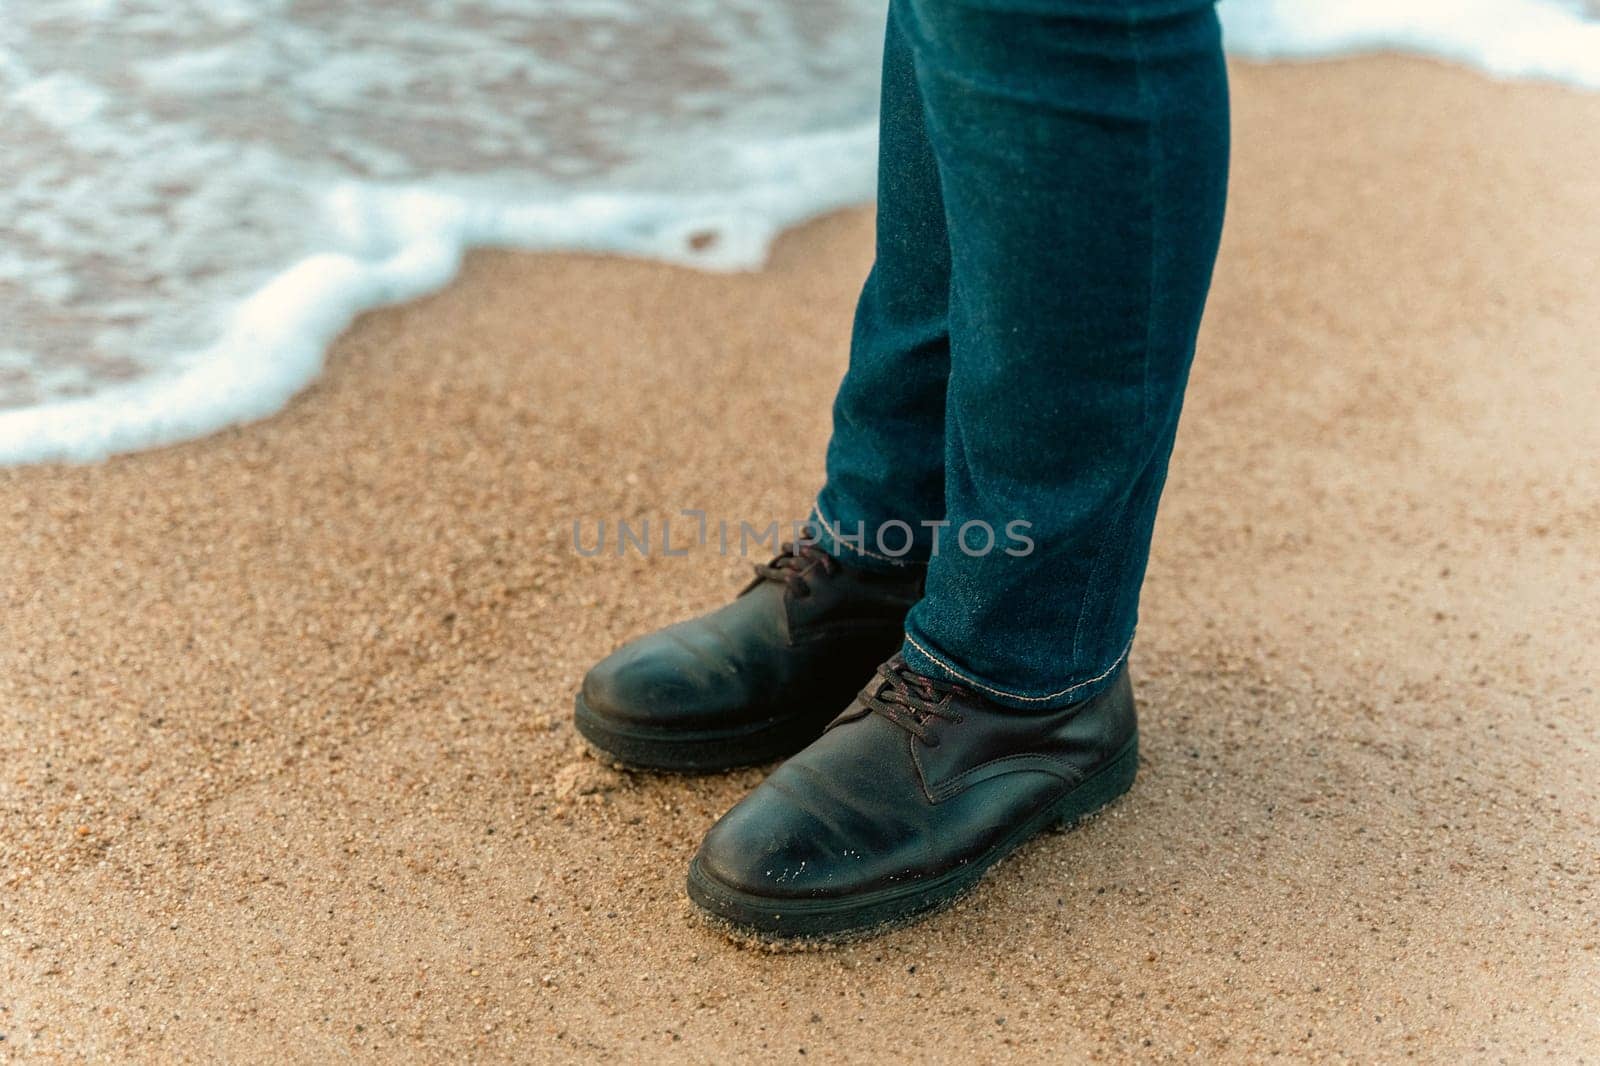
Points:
(196, 196)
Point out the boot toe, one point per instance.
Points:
(830, 822)
(657, 681)
(771, 849)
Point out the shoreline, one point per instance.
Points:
(402, 241)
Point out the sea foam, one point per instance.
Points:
(203, 193)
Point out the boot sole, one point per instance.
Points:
(690, 751)
(871, 913)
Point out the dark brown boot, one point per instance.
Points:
(903, 804)
(755, 680)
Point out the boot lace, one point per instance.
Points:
(910, 700)
(794, 563)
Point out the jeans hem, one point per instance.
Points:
(921, 659)
(828, 539)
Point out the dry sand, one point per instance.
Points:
(286, 770)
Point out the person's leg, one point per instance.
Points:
(760, 677)
(886, 456)
(1082, 150)
(1081, 147)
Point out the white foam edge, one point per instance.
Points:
(403, 242)
(1545, 40)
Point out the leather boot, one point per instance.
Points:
(911, 794)
(752, 681)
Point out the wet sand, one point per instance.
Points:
(286, 770)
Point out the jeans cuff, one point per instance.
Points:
(922, 657)
(855, 550)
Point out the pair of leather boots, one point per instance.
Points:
(896, 797)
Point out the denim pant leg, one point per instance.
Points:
(886, 456)
(1081, 148)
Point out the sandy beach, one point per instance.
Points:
(286, 765)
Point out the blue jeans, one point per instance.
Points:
(1050, 195)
